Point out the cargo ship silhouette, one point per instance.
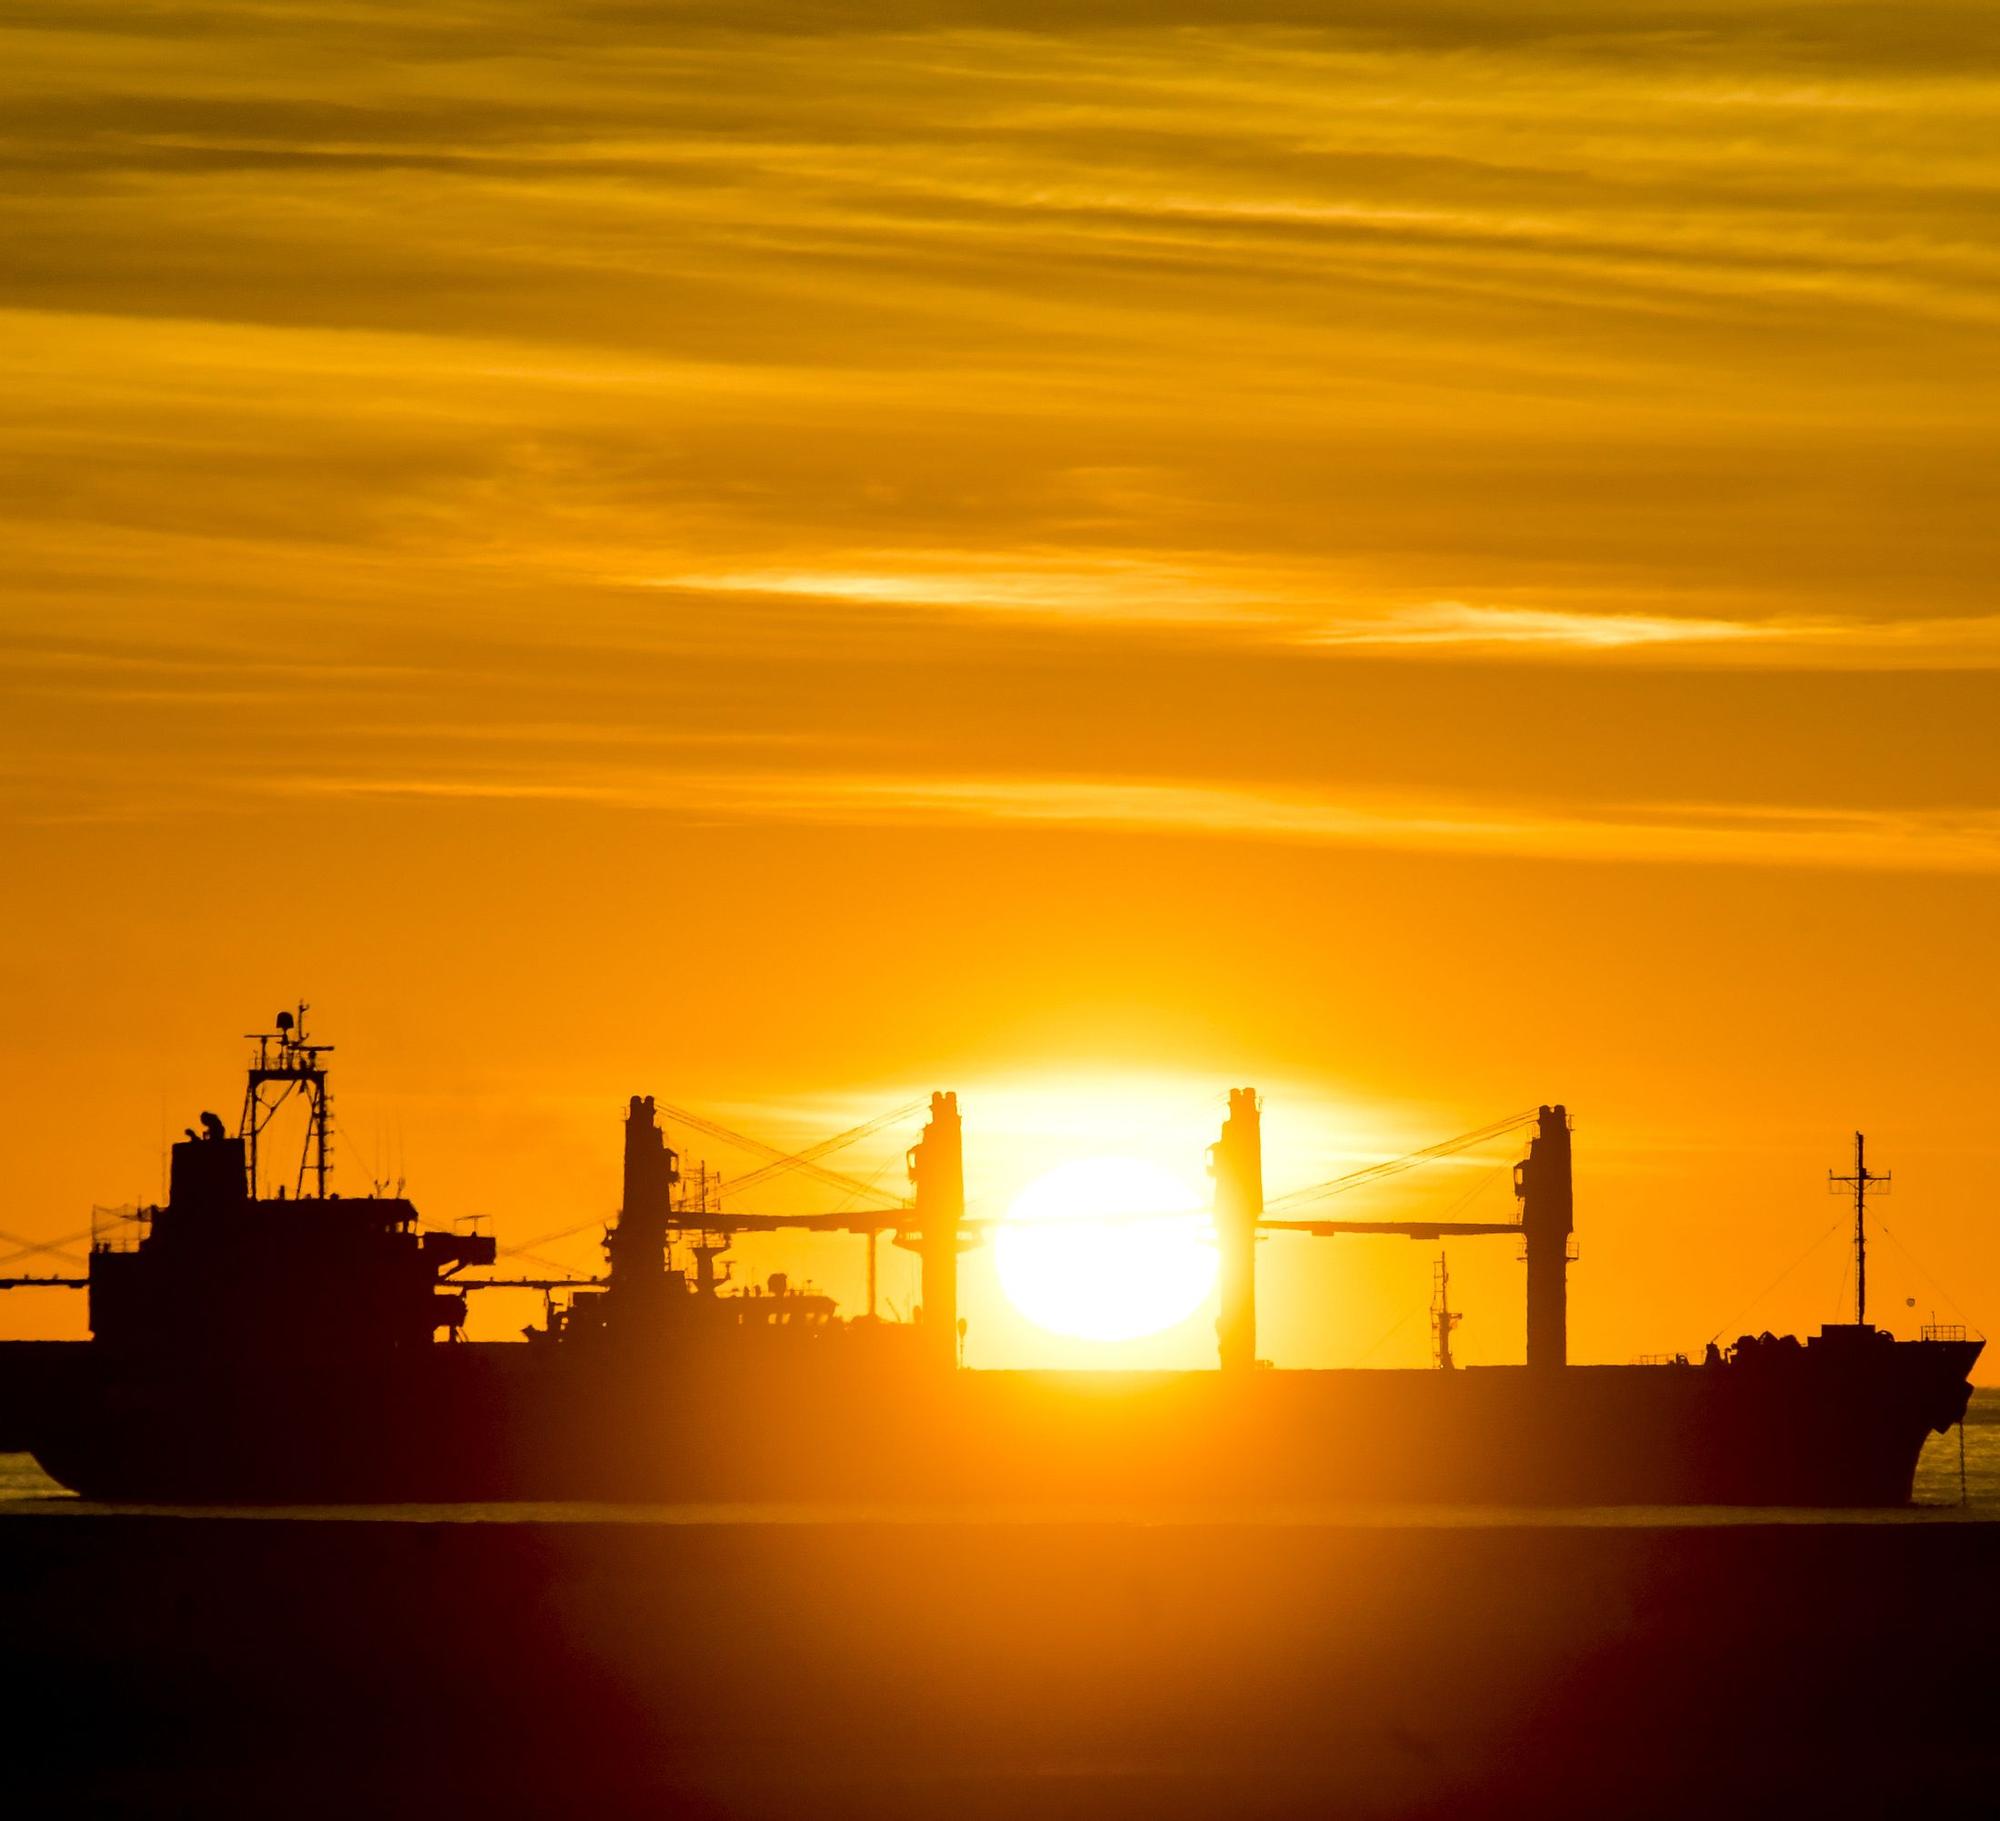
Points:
(310, 1348)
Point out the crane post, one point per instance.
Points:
(636, 1247)
(937, 1172)
(1236, 1164)
(1548, 1218)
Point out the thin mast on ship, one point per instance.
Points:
(1860, 1182)
(287, 1062)
(1443, 1318)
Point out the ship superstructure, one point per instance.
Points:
(221, 1269)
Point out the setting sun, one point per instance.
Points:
(1106, 1248)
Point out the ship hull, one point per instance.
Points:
(518, 1422)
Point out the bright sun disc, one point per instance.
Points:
(1073, 1258)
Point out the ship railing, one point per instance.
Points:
(1949, 1330)
(1661, 1359)
(119, 1229)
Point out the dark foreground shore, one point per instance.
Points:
(240, 1665)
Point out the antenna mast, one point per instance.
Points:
(1860, 1182)
(1443, 1317)
(285, 1062)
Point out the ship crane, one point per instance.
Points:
(1546, 1224)
(661, 1200)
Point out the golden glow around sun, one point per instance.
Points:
(1106, 1248)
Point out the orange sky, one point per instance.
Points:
(1425, 567)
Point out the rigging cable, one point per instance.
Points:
(1929, 1279)
(1394, 1166)
(770, 1152)
(812, 1153)
(64, 1247)
(1780, 1278)
(1384, 1340)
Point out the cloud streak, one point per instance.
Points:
(1689, 834)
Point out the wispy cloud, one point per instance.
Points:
(1132, 587)
(1971, 639)
(1456, 623)
(1756, 835)
(1287, 606)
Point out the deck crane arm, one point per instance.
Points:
(1409, 1229)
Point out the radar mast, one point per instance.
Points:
(285, 1063)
